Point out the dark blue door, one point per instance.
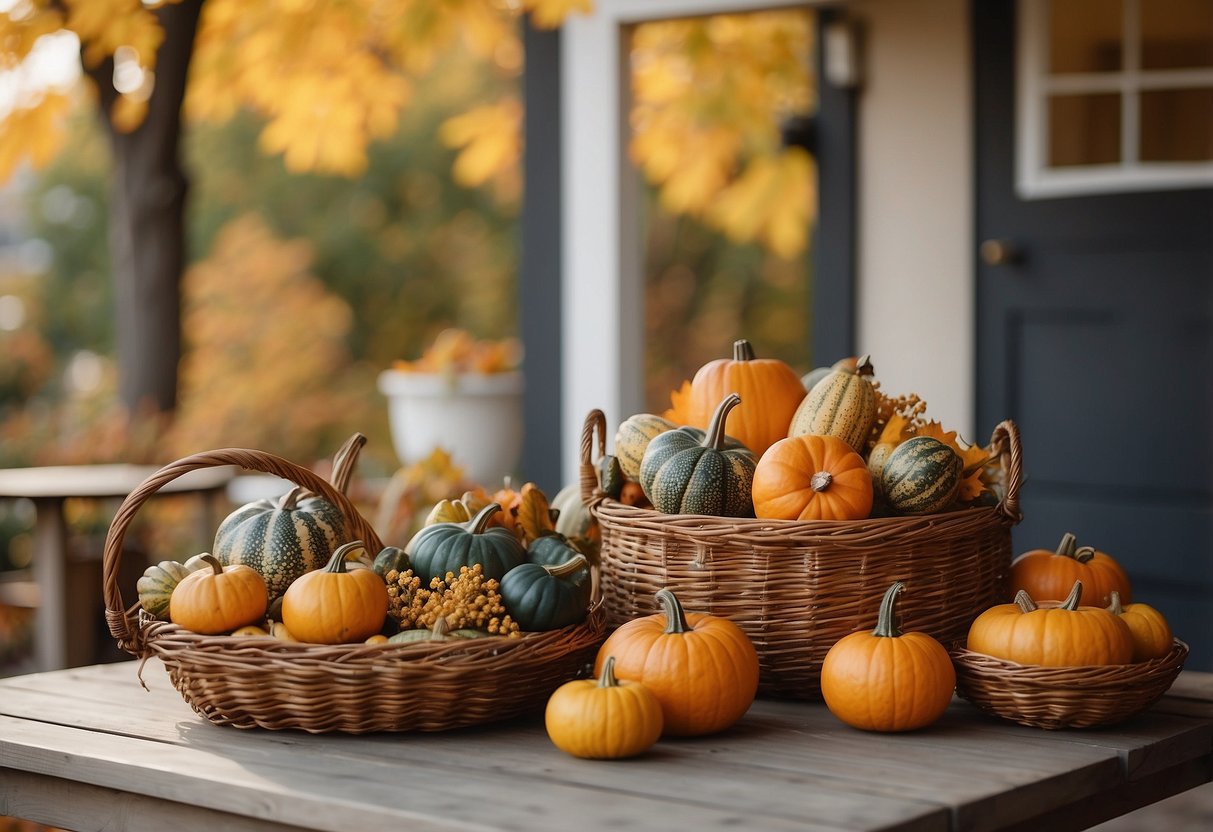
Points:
(1094, 334)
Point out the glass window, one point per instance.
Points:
(1084, 129)
(1176, 34)
(1177, 125)
(1085, 36)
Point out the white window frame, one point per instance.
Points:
(1034, 179)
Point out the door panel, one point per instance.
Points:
(1098, 340)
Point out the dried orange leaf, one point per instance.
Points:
(534, 518)
(680, 401)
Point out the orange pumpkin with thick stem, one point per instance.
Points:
(333, 606)
(1050, 575)
(702, 668)
(812, 478)
(771, 389)
(1057, 635)
(1152, 636)
(886, 680)
(217, 599)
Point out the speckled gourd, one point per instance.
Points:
(842, 404)
(633, 437)
(921, 476)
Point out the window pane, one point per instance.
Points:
(1177, 125)
(1085, 35)
(1084, 129)
(1177, 34)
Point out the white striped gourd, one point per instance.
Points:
(842, 404)
(921, 476)
(633, 436)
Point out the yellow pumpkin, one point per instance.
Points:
(1152, 636)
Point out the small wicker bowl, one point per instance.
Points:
(1064, 697)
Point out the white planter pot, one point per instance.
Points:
(475, 418)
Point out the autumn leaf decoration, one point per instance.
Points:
(680, 401)
(533, 518)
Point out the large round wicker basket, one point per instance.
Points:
(353, 688)
(796, 587)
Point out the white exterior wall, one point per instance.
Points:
(915, 224)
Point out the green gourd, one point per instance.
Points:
(440, 632)
(610, 476)
(555, 550)
(281, 539)
(156, 586)
(922, 475)
(842, 404)
(444, 547)
(546, 597)
(390, 558)
(633, 437)
(681, 475)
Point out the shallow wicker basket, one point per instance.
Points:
(796, 587)
(1065, 697)
(353, 688)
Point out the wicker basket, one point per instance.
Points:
(354, 688)
(796, 587)
(1065, 697)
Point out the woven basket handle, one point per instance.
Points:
(595, 421)
(115, 610)
(1005, 444)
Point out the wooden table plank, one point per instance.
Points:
(786, 765)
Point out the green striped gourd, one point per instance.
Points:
(682, 475)
(281, 539)
(444, 547)
(921, 475)
(156, 585)
(842, 404)
(633, 436)
(543, 597)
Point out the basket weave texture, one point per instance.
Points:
(1065, 697)
(797, 587)
(253, 682)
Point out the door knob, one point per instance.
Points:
(1000, 252)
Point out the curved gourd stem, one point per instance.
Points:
(607, 679)
(1071, 602)
(1084, 553)
(743, 350)
(675, 617)
(714, 438)
(440, 629)
(863, 367)
(1069, 548)
(1116, 608)
(290, 500)
(1024, 601)
(478, 523)
(213, 562)
(888, 624)
(567, 568)
(345, 461)
(337, 559)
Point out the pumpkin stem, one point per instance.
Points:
(714, 438)
(743, 350)
(440, 629)
(289, 500)
(1067, 545)
(1084, 553)
(888, 622)
(213, 562)
(1071, 602)
(1024, 601)
(821, 481)
(607, 679)
(478, 523)
(345, 461)
(337, 559)
(1116, 608)
(568, 567)
(676, 619)
(863, 367)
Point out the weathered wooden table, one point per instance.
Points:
(49, 488)
(90, 749)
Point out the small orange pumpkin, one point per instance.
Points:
(605, 719)
(1049, 575)
(219, 599)
(886, 680)
(333, 606)
(1057, 635)
(1152, 636)
(702, 668)
(771, 389)
(812, 478)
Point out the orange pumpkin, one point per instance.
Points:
(604, 719)
(886, 680)
(702, 668)
(812, 478)
(333, 606)
(771, 389)
(1049, 575)
(1152, 636)
(1057, 635)
(218, 599)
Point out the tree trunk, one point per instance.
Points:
(147, 220)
